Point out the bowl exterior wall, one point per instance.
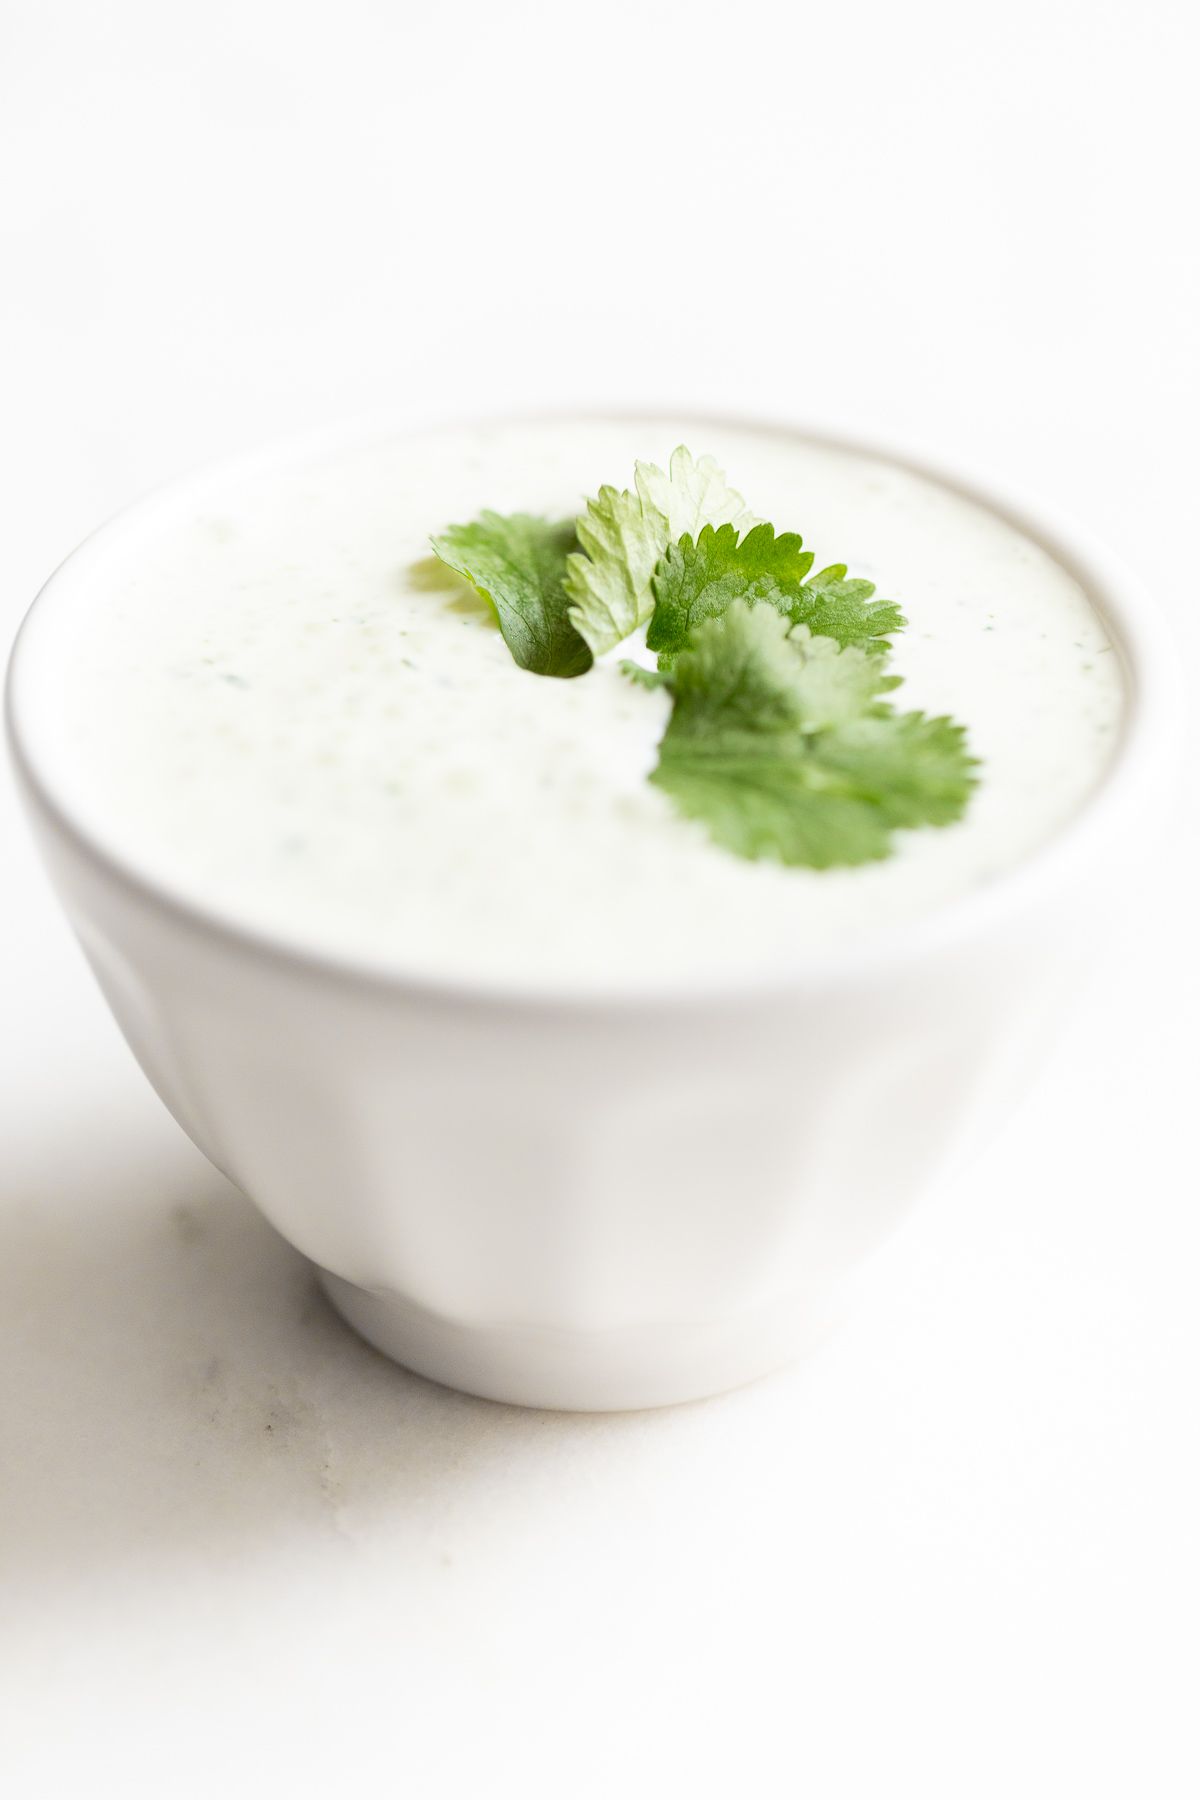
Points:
(577, 1205)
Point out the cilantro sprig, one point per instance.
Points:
(623, 536)
(698, 579)
(519, 564)
(779, 741)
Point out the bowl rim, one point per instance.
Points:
(1140, 764)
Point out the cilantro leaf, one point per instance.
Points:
(916, 769)
(699, 578)
(780, 741)
(519, 563)
(779, 744)
(622, 535)
(834, 607)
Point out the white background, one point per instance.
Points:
(953, 1555)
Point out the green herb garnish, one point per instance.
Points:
(519, 564)
(780, 741)
(699, 579)
(622, 537)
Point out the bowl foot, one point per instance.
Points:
(616, 1370)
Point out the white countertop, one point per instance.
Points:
(240, 1554)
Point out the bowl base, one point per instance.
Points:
(616, 1370)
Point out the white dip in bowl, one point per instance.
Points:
(286, 709)
(567, 1105)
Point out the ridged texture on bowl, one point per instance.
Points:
(566, 1206)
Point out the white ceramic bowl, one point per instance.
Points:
(709, 1166)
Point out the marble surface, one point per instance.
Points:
(954, 1552)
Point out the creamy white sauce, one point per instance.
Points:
(281, 705)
